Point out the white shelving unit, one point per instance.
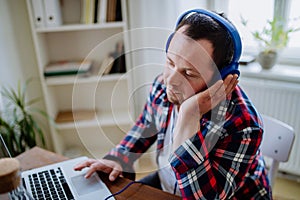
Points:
(104, 96)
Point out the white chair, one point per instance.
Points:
(277, 143)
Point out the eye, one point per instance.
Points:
(170, 63)
(190, 73)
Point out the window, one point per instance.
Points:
(291, 53)
(295, 21)
(256, 16)
(257, 13)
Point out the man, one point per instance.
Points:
(207, 131)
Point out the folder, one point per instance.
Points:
(53, 13)
(102, 5)
(38, 13)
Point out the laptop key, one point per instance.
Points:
(67, 191)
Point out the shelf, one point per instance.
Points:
(280, 72)
(80, 27)
(67, 80)
(97, 102)
(122, 117)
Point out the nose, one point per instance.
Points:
(174, 77)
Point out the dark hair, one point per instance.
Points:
(201, 26)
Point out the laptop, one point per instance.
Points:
(60, 181)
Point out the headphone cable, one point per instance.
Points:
(122, 190)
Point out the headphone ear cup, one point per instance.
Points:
(230, 69)
(169, 41)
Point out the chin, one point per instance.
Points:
(174, 100)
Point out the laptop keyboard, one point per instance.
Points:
(50, 185)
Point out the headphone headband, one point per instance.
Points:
(232, 68)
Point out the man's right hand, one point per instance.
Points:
(113, 168)
(192, 109)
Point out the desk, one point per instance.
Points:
(37, 157)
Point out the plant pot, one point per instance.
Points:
(267, 59)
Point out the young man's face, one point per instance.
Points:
(189, 67)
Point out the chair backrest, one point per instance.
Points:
(277, 143)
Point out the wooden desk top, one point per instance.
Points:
(37, 157)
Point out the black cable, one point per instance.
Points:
(122, 190)
(175, 188)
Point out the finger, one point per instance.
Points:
(230, 83)
(211, 91)
(220, 95)
(217, 98)
(100, 165)
(114, 174)
(97, 166)
(228, 79)
(84, 164)
(90, 172)
(208, 97)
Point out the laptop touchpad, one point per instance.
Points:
(85, 186)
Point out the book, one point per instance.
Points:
(114, 11)
(87, 11)
(107, 64)
(111, 11)
(119, 65)
(115, 61)
(118, 11)
(67, 68)
(96, 10)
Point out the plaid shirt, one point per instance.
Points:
(221, 161)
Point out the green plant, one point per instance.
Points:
(274, 36)
(18, 126)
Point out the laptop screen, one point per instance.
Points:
(4, 152)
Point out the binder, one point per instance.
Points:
(102, 5)
(38, 13)
(53, 13)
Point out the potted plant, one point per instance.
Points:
(18, 127)
(272, 38)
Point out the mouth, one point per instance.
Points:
(170, 91)
(174, 96)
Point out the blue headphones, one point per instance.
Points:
(233, 66)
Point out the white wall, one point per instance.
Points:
(150, 24)
(17, 57)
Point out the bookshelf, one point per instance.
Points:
(101, 112)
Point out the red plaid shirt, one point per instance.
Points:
(221, 161)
